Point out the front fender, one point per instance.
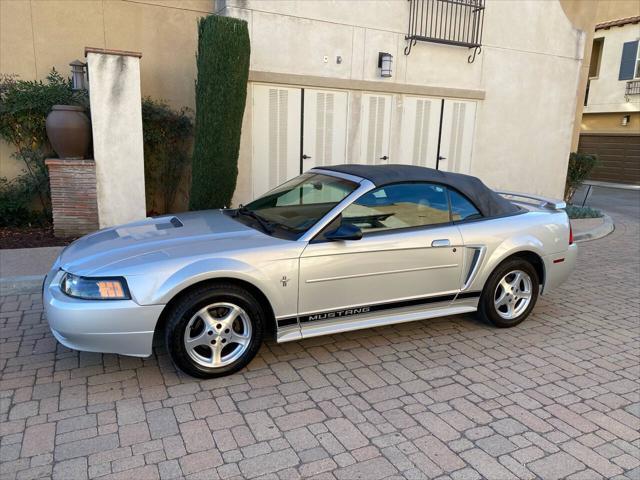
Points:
(166, 283)
(209, 269)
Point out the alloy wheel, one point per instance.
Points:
(217, 334)
(513, 294)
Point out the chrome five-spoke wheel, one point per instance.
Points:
(513, 294)
(510, 293)
(214, 329)
(217, 334)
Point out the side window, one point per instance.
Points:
(461, 208)
(398, 206)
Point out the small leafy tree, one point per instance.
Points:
(24, 106)
(580, 166)
(221, 90)
(167, 139)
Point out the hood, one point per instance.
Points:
(152, 239)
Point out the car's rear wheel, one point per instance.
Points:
(214, 330)
(510, 293)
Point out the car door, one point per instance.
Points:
(409, 256)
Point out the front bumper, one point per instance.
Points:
(107, 326)
(559, 266)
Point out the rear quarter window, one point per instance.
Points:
(462, 208)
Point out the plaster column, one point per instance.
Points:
(116, 119)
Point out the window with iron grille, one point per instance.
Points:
(449, 22)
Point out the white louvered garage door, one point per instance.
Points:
(458, 124)
(375, 128)
(276, 136)
(419, 132)
(325, 128)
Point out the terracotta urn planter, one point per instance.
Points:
(69, 131)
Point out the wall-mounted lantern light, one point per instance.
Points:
(78, 75)
(384, 63)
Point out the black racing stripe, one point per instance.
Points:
(285, 322)
(349, 312)
(468, 295)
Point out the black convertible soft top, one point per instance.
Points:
(486, 200)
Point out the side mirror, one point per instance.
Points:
(345, 231)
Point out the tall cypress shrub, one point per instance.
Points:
(221, 90)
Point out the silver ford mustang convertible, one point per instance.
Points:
(335, 249)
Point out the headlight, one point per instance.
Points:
(105, 288)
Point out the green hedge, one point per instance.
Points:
(168, 135)
(221, 90)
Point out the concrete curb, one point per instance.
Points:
(21, 285)
(595, 233)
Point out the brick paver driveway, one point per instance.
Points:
(556, 397)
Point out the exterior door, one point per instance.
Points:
(379, 269)
(420, 127)
(458, 124)
(276, 136)
(324, 140)
(409, 250)
(375, 128)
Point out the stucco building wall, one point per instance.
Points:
(606, 92)
(525, 80)
(528, 73)
(37, 35)
(610, 123)
(614, 9)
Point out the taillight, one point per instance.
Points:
(570, 234)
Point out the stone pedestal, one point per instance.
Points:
(73, 196)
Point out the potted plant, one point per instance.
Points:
(68, 127)
(69, 131)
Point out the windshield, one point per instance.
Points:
(295, 206)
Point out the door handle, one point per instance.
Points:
(442, 158)
(384, 157)
(305, 156)
(442, 242)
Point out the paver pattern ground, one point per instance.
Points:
(557, 397)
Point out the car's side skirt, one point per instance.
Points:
(368, 316)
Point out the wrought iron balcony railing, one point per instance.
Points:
(632, 88)
(451, 22)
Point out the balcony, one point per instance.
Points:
(632, 88)
(449, 22)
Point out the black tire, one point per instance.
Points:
(199, 298)
(487, 310)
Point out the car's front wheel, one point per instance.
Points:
(510, 293)
(214, 330)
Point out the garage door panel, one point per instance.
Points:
(618, 155)
(276, 136)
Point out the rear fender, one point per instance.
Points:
(508, 248)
